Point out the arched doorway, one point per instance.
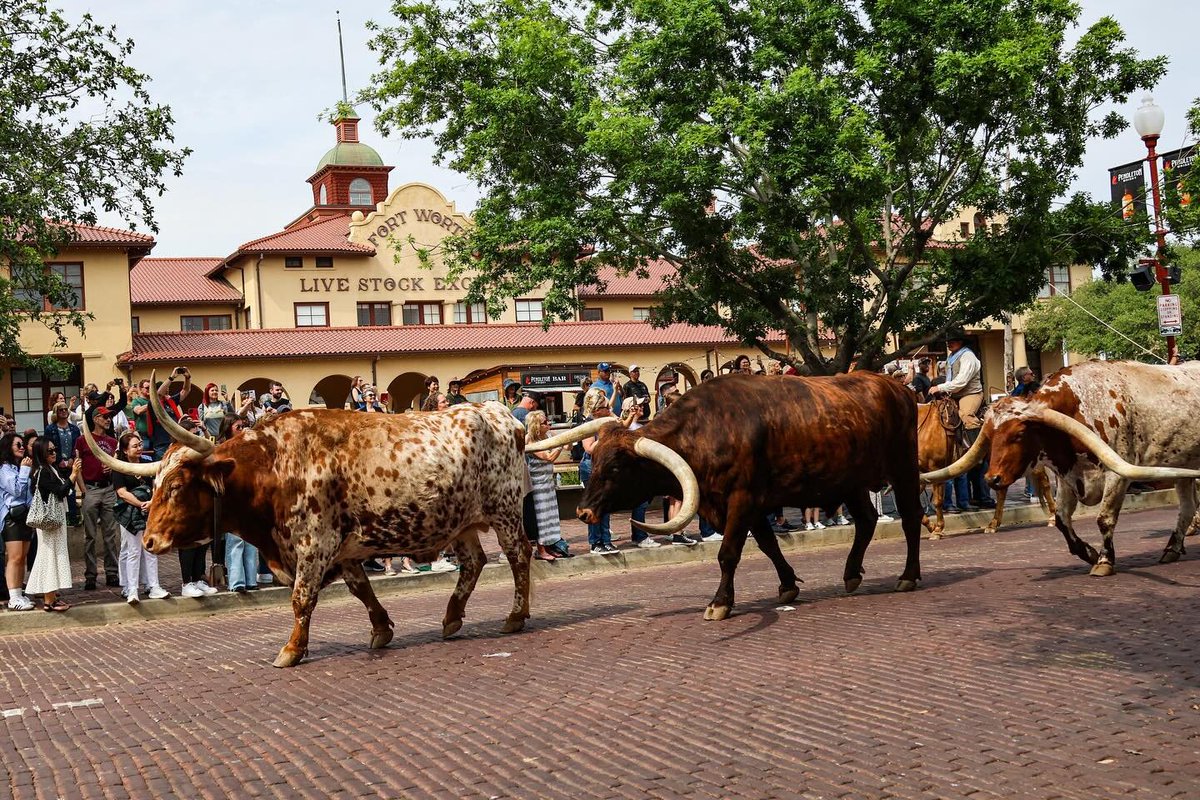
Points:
(332, 391)
(404, 391)
(260, 387)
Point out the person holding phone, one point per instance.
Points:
(160, 440)
(214, 409)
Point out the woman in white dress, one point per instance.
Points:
(51, 571)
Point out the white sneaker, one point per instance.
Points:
(648, 543)
(885, 518)
(205, 588)
(441, 565)
(21, 603)
(841, 520)
(1031, 500)
(157, 593)
(713, 537)
(132, 598)
(808, 526)
(818, 525)
(265, 577)
(191, 590)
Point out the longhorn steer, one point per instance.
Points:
(937, 430)
(1088, 423)
(319, 491)
(740, 445)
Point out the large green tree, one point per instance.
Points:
(1113, 318)
(792, 159)
(79, 136)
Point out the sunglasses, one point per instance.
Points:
(18, 444)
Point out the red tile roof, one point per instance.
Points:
(299, 342)
(326, 235)
(99, 235)
(156, 281)
(630, 285)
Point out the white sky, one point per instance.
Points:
(246, 82)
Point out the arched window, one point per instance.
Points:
(360, 192)
(980, 224)
(323, 196)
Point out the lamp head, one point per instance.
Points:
(1148, 119)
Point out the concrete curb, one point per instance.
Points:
(92, 614)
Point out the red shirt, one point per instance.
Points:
(94, 471)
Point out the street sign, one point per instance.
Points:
(1170, 315)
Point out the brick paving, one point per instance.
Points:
(1011, 673)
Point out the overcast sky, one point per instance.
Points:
(247, 81)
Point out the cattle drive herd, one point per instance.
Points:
(731, 449)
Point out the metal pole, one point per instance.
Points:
(1160, 271)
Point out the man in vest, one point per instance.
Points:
(964, 383)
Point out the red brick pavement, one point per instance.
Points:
(1011, 673)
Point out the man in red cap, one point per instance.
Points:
(99, 500)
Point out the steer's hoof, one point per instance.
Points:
(787, 595)
(288, 658)
(989, 529)
(513, 623)
(1169, 557)
(935, 535)
(381, 638)
(1103, 570)
(905, 585)
(716, 612)
(452, 627)
(852, 585)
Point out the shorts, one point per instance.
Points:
(15, 529)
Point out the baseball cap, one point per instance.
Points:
(633, 367)
(603, 366)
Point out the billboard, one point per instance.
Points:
(1176, 165)
(1128, 185)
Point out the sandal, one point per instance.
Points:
(542, 555)
(57, 605)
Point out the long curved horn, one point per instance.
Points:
(117, 465)
(1108, 457)
(570, 437)
(178, 432)
(657, 451)
(969, 459)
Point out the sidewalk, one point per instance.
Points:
(105, 605)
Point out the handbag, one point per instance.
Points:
(47, 515)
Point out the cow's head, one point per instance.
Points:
(1015, 441)
(1017, 430)
(628, 468)
(186, 484)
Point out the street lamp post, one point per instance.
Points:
(1148, 122)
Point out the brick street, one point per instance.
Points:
(1011, 673)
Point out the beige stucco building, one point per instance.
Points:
(341, 292)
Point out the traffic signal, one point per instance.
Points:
(1143, 278)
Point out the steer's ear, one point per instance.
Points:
(216, 470)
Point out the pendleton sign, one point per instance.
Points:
(1128, 185)
(1176, 166)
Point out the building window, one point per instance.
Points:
(72, 276)
(360, 192)
(137, 325)
(965, 229)
(641, 314)
(529, 310)
(1058, 281)
(206, 322)
(373, 314)
(312, 315)
(31, 389)
(293, 262)
(323, 196)
(591, 315)
(324, 262)
(469, 312)
(422, 313)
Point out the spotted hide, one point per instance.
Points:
(755, 443)
(319, 491)
(1140, 413)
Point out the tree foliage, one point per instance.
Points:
(792, 159)
(1117, 320)
(79, 136)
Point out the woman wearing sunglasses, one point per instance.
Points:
(15, 469)
(51, 571)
